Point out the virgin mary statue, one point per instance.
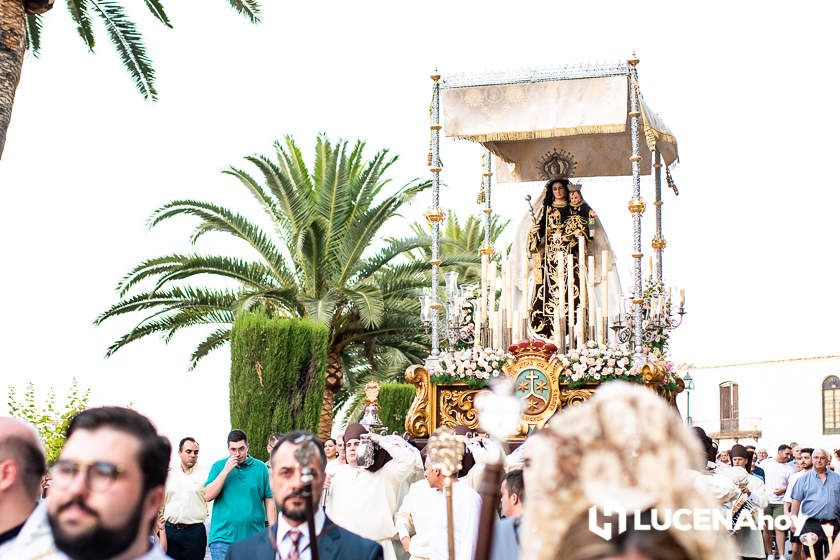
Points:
(550, 231)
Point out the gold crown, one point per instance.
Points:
(556, 165)
(533, 348)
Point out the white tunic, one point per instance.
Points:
(365, 502)
(424, 508)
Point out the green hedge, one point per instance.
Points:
(394, 401)
(276, 376)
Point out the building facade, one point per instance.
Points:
(767, 403)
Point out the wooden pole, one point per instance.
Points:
(450, 517)
(490, 493)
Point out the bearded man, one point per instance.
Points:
(108, 486)
(289, 537)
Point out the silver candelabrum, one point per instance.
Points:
(457, 301)
(657, 318)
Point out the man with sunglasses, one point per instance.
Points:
(185, 510)
(108, 486)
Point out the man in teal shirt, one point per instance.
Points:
(240, 487)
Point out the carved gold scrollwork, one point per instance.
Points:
(456, 407)
(418, 421)
(574, 397)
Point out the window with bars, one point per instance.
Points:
(728, 406)
(831, 404)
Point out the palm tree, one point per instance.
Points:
(459, 249)
(20, 30)
(316, 261)
(460, 244)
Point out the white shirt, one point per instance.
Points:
(776, 475)
(466, 506)
(791, 483)
(284, 541)
(185, 496)
(416, 513)
(34, 540)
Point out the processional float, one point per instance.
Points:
(553, 124)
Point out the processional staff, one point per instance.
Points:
(304, 454)
(445, 453)
(499, 414)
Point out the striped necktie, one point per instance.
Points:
(294, 536)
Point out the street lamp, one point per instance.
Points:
(689, 387)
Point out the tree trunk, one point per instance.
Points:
(12, 47)
(335, 378)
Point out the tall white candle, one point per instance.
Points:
(570, 297)
(682, 298)
(605, 295)
(582, 269)
(492, 294)
(590, 292)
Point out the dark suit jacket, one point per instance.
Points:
(334, 543)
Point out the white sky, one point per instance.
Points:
(750, 92)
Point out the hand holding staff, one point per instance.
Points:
(304, 454)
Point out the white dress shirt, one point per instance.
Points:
(284, 541)
(185, 496)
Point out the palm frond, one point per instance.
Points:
(171, 299)
(34, 24)
(156, 8)
(392, 250)
(247, 8)
(359, 236)
(81, 17)
(129, 44)
(218, 219)
(367, 300)
(217, 339)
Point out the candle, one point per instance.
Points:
(526, 301)
(605, 295)
(492, 294)
(650, 265)
(570, 295)
(682, 298)
(590, 294)
(555, 327)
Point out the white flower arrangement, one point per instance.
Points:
(476, 363)
(597, 363)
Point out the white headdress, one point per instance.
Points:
(624, 449)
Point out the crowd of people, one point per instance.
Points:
(112, 494)
(798, 482)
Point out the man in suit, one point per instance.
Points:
(289, 537)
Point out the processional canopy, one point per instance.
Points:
(528, 118)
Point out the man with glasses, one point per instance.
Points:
(108, 486)
(240, 488)
(185, 509)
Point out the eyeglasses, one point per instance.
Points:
(99, 475)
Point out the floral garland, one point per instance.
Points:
(597, 364)
(472, 366)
